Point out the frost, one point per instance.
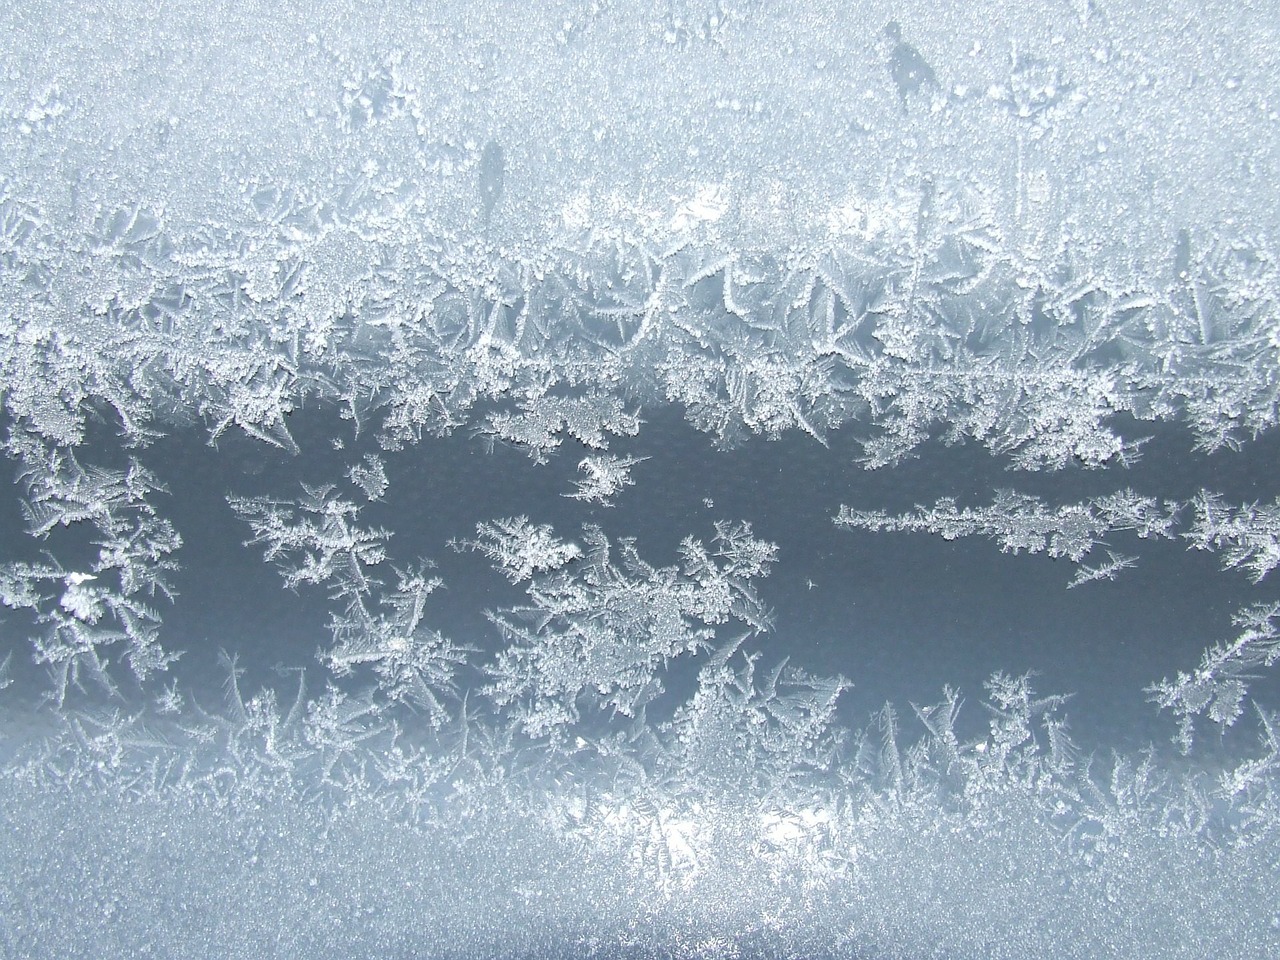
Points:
(370, 476)
(522, 549)
(586, 419)
(596, 631)
(604, 477)
(88, 612)
(1022, 522)
(1255, 778)
(737, 732)
(336, 725)
(412, 663)
(1104, 571)
(1247, 537)
(1013, 748)
(60, 492)
(315, 540)
(82, 602)
(1033, 90)
(918, 318)
(1016, 241)
(1219, 685)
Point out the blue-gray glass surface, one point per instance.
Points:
(691, 478)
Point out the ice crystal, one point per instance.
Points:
(1010, 235)
(522, 549)
(315, 540)
(412, 662)
(1247, 537)
(1021, 522)
(1217, 688)
(596, 630)
(604, 477)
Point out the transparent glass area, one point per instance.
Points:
(673, 478)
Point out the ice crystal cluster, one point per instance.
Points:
(345, 251)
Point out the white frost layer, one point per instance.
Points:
(103, 876)
(1110, 127)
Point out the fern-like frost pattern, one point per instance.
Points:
(428, 234)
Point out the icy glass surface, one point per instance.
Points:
(718, 478)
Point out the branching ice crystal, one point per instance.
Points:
(603, 477)
(1247, 537)
(522, 549)
(87, 612)
(738, 732)
(586, 419)
(1018, 242)
(412, 663)
(596, 630)
(370, 476)
(1022, 522)
(1217, 688)
(315, 540)
(1107, 570)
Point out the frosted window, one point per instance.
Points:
(689, 478)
